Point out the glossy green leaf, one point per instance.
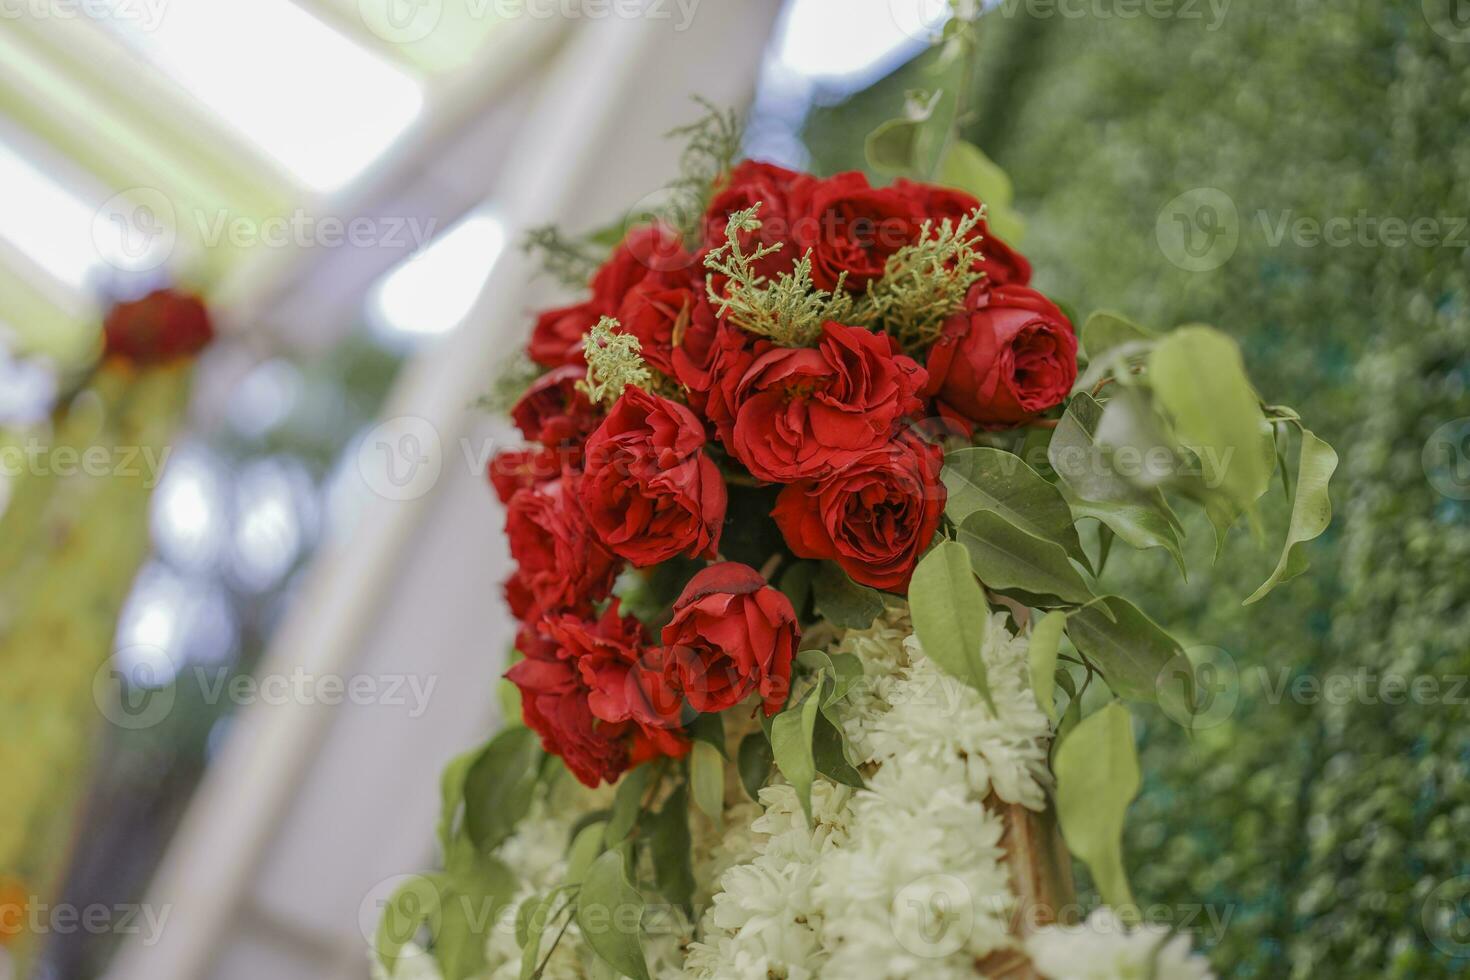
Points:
(796, 585)
(707, 776)
(669, 841)
(499, 785)
(983, 478)
(1198, 377)
(1139, 660)
(710, 729)
(451, 792)
(1311, 510)
(843, 670)
(627, 804)
(754, 760)
(586, 847)
(609, 915)
(843, 602)
(1105, 331)
(1046, 641)
(950, 613)
(830, 752)
(412, 906)
(791, 744)
(471, 907)
(1094, 489)
(1097, 778)
(966, 167)
(1007, 557)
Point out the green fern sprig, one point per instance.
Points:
(791, 309)
(711, 149)
(924, 283)
(571, 260)
(614, 361)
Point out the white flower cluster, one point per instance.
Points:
(1103, 948)
(904, 878)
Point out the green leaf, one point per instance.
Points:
(413, 905)
(754, 759)
(949, 613)
(627, 802)
(1139, 660)
(1094, 489)
(989, 479)
(710, 729)
(1105, 330)
(669, 841)
(791, 744)
(451, 792)
(531, 920)
(471, 907)
(586, 847)
(1097, 777)
(897, 146)
(1007, 557)
(796, 585)
(707, 776)
(844, 670)
(830, 754)
(499, 786)
(1311, 510)
(1199, 380)
(843, 602)
(1046, 640)
(609, 915)
(966, 167)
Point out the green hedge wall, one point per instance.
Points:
(1328, 833)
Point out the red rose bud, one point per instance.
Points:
(555, 412)
(804, 413)
(556, 339)
(554, 705)
(561, 566)
(660, 310)
(649, 491)
(163, 326)
(779, 192)
(732, 636)
(521, 469)
(1009, 356)
(628, 680)
(854, 228)
(1002, 265)
(875, 517)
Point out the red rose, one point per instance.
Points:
(804, 412)
(627, 679)
(874, 518)
(776, 190)
(1002, 265)
(561, 566)
(554, 706)
(649, 491)
(557, 337)
(852, 227)
(732, 635)
(519, 469)
(163, 326)
(1010, 355)
(555, 412)
(710, 362)
(660, 310)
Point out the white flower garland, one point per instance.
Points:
(904, 878)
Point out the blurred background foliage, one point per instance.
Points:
(1333, 835)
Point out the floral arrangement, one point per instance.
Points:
(803, 602)
(71, 541)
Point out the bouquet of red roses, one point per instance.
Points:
(792, 422)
